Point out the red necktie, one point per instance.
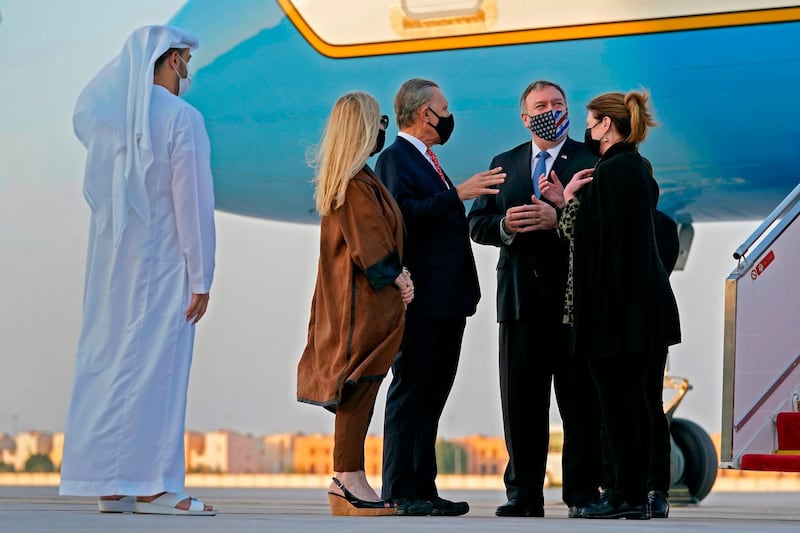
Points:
(437, 167)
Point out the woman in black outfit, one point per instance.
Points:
(619, 300)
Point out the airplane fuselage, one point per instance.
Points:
(727, 146)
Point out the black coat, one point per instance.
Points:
(438, 252)
(532, 270)
(624, 304)
(669, 246)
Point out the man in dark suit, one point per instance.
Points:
(439, 257)
(531, 280)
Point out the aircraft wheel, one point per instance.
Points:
(677, 464)
(700, 457)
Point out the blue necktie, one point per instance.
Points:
(539, 169)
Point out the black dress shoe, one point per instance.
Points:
(621, 510)
(517, 507)
(442, 507)
(659, 504)
(606, 495)
(412, 507)
(576, 511)
(577, 507)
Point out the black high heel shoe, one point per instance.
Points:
(350, 505)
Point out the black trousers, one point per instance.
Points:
(422, 376)
(621, 388)
(531, 358)
(658, 471)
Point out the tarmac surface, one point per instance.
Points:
(40, 509)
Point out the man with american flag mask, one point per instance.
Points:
(531, 280)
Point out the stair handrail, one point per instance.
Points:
(775, 215)
(769, 391)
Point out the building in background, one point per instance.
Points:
(57, 450)
(373, 455)
(313, 454)
(484, 455)
(6, 443)
(229, 452)
(279, 453)
(27, 444)
(194, 445)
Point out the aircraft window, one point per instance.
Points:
(370, 22)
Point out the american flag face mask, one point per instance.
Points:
(551, 125)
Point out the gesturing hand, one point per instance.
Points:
(481, 183)
(579, 179)
(552, 190)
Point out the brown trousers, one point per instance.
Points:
(352, 422)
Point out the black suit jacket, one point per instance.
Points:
(438, 252)
(532, 270)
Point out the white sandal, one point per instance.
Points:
(165, 504)
(125, 504)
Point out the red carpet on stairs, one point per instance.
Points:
(787, 457)
(788, 425)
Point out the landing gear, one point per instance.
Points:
(699, 459)
(694, 460)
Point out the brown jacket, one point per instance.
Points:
(357, 314)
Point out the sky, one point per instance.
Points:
(247, 346)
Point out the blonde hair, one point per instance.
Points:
(349, 138)
(628, 111)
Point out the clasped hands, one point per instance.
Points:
(534, 216)
(539, 214)
(406, 286)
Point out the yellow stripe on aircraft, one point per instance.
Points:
(475, 39)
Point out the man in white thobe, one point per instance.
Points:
(148, 275)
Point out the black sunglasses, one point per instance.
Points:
(384, 121)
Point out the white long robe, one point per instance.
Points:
(125, 425)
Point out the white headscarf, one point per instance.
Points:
(112, 120)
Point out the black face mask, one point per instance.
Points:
(381, 140)
(444, 127)
(592, 145)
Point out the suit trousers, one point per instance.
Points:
(422, 376)
(621, 388)
(658, 477)
(352, 422)
(531, 358)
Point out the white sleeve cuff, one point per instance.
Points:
(507, 238)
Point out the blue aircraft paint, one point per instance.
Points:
(727, 146)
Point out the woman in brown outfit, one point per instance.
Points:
(358, 309)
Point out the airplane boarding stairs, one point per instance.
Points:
(761, 371)
(786, 458)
